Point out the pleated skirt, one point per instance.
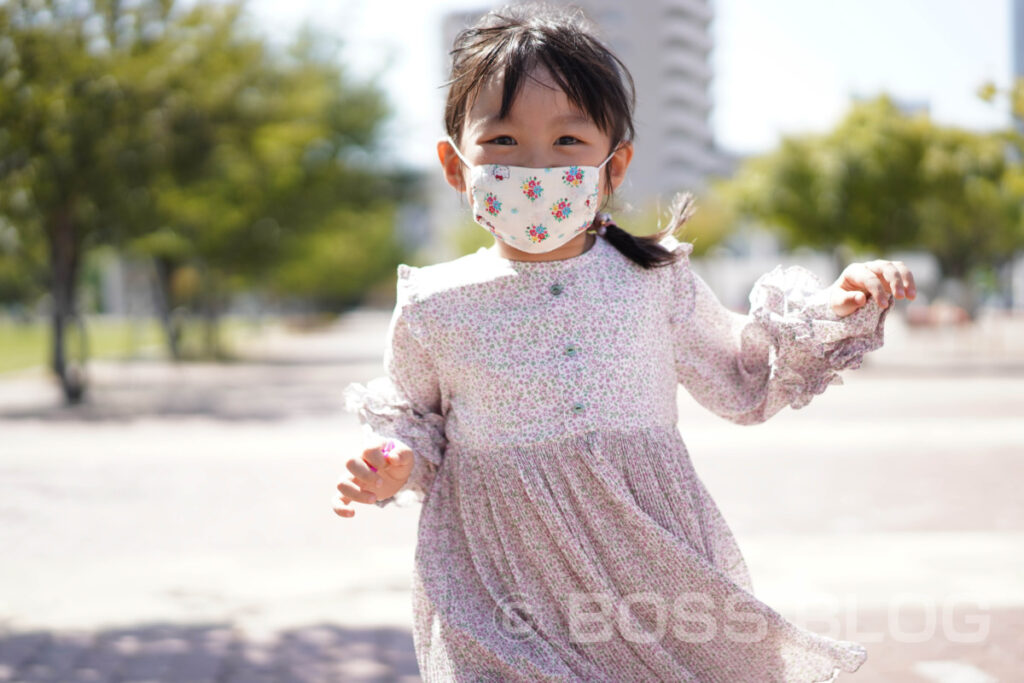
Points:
(598, 557)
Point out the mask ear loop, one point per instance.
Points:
(607, 159)
(604, 219)
(451, 142)
(455, 147)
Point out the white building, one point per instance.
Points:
(666, 46)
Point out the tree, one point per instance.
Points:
(850, 189)
(178, 136)
(270, 179)
(70, 167)
(883, 180)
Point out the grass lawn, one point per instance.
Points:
(25, 346)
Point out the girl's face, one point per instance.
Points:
(542, 129)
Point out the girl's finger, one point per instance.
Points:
(376, 458)
(359, 482)
(893, 279)
(357, 494)
(870, 282)
(846, 302)
(889, 275)
(855, 299)
(401, 458)
(908, 279)
(341, 506)
(367, 477)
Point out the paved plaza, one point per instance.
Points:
(178, 526)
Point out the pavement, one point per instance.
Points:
(177, 527)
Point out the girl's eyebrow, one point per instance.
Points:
(572, 118)
(561, 119)
(492, 118)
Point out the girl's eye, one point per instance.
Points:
(567, 140)
(503, 140)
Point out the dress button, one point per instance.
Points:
(556, 289)
(578, 407)
(571, 350)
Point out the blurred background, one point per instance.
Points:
(202, 206)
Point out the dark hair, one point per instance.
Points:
(515, 40)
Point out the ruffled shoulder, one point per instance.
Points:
(409, 285)
(671, 243)
(409, 295)
(682, 289)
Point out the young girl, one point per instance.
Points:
(530, 397)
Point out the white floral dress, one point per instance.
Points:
(564, 534)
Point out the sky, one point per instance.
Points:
(780, 66)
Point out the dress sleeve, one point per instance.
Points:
(405, 404)
(787, 349)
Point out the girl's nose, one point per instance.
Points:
(533, 157)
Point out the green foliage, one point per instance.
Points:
(883, 180)
(22, 264)
(271, 169)
(1014, 96)
(971, 214)
(314, 265)
(467, 236)
(714, 220)
(25, 344)
(852, 186)
(176, 134)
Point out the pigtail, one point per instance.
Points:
(684, 205)
(646, 250)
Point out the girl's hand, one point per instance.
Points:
(875, 278)
(376, 475)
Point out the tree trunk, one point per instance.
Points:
(211, 345)
(958, 287)
(163, 269)
(64, 262)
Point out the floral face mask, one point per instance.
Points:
(531, 209)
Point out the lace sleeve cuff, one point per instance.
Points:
(388, 414)
(810, 342)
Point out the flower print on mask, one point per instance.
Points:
(537, 233)
(505, 201)
(492, 204)
(573, 176)
(561, 209)
(532, 188)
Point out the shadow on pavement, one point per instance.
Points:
(216, 653)
(272, 389)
